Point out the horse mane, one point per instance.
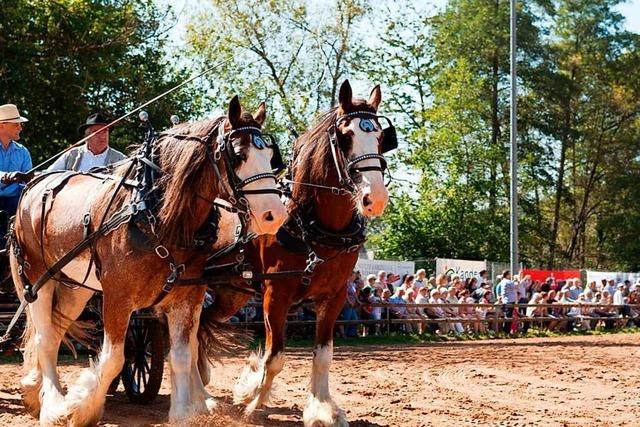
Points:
(313, 162)
(186, 170)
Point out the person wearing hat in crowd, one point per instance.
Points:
(371, 281)
(94, 153)
(15, 162)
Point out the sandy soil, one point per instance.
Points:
(572, 381)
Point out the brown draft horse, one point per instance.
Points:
(313, 164)
(131, 273)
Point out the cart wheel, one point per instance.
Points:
(144, 360)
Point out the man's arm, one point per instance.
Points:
(21, 174)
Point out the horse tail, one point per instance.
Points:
(217, 339)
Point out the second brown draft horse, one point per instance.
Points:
(336, 183)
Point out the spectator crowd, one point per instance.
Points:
(480, 305)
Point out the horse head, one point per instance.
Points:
(362, 139)
(251, 155)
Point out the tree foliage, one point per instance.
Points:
(445, 80)
(287, 52)
(578, 135)
(61, 60)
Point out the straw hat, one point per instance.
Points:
(9, 114)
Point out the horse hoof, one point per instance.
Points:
(212, 404)
(323, 414)
(30, 387)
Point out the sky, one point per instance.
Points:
(630, 9)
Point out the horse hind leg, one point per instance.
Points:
(84, 402)
(41, 386)
(51, 316)
(256, 381)
(31, 382)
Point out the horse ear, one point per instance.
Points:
(261, 113)
(375, 98)
(345, 96)
(235, 110)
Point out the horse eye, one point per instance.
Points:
(366, 125)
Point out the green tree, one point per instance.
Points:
(61, 60)
(286, 52)
(457, 119)
(594, 111)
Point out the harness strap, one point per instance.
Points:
(117, 219)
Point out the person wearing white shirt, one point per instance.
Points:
(96, 151)
(618, 298)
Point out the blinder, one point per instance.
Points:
(389, 137)
(260, 141)
(388, 142)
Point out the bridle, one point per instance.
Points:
(309, 232)
(236, 197)
(350, 166)
(346, 169)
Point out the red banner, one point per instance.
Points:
(541, 275)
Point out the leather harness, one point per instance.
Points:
(302, 233)
(141, 211)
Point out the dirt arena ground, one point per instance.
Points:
(571, 381)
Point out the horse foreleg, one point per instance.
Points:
(320, 409)
(254, 385)
(200, 368)
(187, 398)
(85, 399)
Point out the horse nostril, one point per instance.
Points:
(366, 201)
(268, 216)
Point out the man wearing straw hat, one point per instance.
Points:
(15, 160)
(94, 153)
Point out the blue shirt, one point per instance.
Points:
(398, 300)
(15, 158)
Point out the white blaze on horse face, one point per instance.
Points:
(374, 197)
(267, 210)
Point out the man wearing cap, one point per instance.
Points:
(15, 161)
(96, 151)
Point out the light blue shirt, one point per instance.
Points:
(398, 300)
(508, 292)
(15, 158)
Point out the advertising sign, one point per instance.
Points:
(461, 267)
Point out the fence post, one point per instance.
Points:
(388, 321)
